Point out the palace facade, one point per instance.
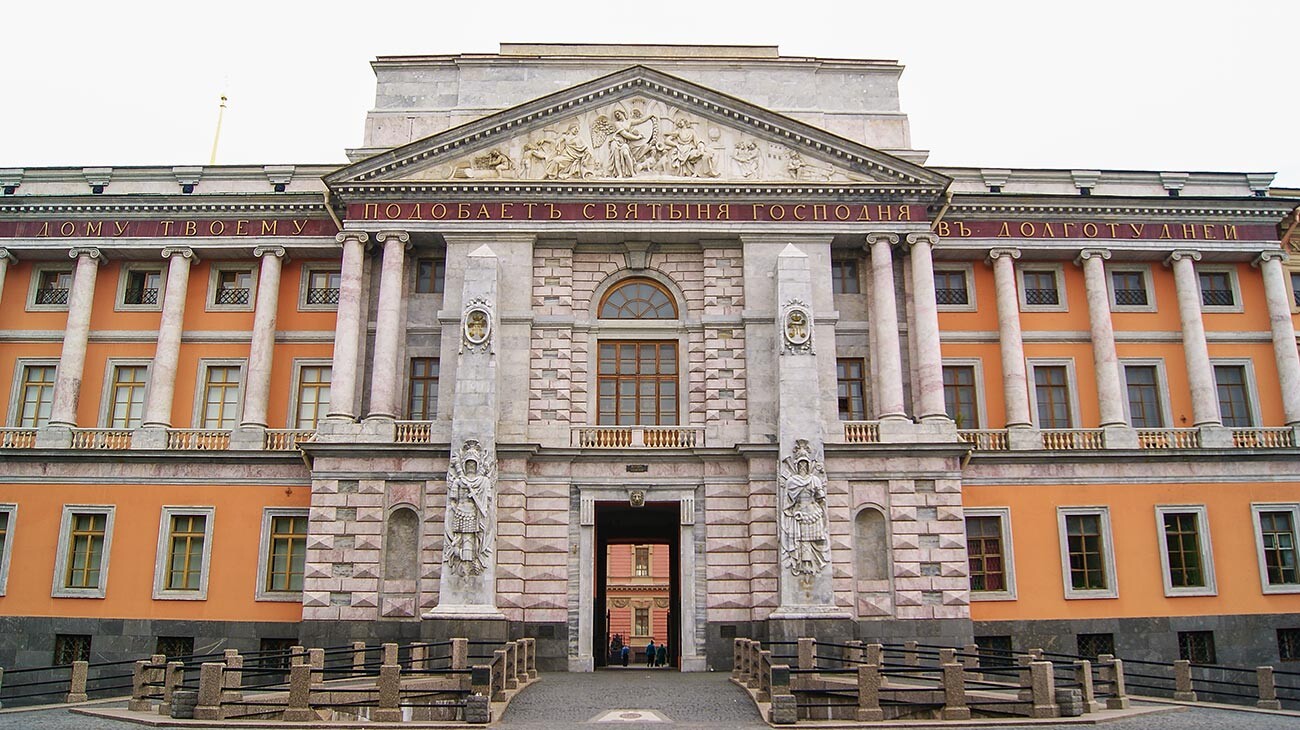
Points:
(707, 300)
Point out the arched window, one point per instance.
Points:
(638, 299)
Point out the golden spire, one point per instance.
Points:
(221, 112)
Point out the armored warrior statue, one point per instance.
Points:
(470, 489)
(805, 538)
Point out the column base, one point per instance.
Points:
(465, 612)
(582, 664)
(149, 437)
(379, 428)
(53, 436)
(1119, 437)
(338, 431)
(1215, 436)
(248, 438)
(1024, 438)
(694, 664)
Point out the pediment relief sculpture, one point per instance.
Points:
(638, 138)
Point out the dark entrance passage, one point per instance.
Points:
(654, 528)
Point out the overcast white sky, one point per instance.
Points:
(1134, 85)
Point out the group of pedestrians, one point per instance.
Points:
(656, 655)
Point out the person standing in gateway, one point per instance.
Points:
(650, 653)
(661, 655)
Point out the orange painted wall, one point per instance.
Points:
(1039, 580)
(232, 580)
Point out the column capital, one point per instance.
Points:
(997, 253)
(276, 251)
(182, 251)
(915, 238)
(1180, 254)
(88, 251)
(1090, 253)
(1263, 257)
(7, 257)
(358, 236)
(386, 236)
(874, 237)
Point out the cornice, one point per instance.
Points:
(1102, 206)
(552, 191)
(127, 206)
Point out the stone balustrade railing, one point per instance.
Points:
(1072, 439)
(861, 432)
(101, 438)
(1169, 438)
(636, 437)
(197, 439)
(414, 432)
(986, 439)
(287, 439)
(1266, 438)
(17, 438)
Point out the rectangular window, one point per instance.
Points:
(637, 383)
(274, 657)
(641, 562)
(286, 553)
(220, 397)
(1144, 408)
(1088, 557)
(1092, 646)
(851, 387)
(1052, 395)
(1234, 402)
(1288, 645)
(1129, 288)
(52, 288)
(641, 621)
(313, 395)
(960, 395)
(1276, 540)
(128, 396)
(1216, 289)
(984, 548)
(36, 394)
(234, 287)
(81, 563)
(1040, 288)
(995, 651)
(323, 287)
(7, 514)
(950, 287)
(143, 287)
(422, 405)
(1197, 647)
(1187, 558)
(69, 648)
(175, 647)
(430, 275)
(1295, 288)
(844, 276)
(184, 551)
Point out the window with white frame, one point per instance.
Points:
(81, 560)
(961, 393)
(1218, 288)
(1053, 393)
(1042, 288)
(320, 287)
(231, 288)
(1130, 289)
(141, 287)
(1146, 402)
(219, 395)
(1295, 289)
(8, 513)
(1275, 541)
(1236, 406)
(989, 550)
(1186, 559)
(126, 395)
(1087, 552)
(184, 553)
(51, 287)
(282, 554)
(312, 394)
(33, 394)
(954, 288)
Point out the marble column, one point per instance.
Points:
(72, 360)
(251, 433)
(806, 575)
(1278, 296)
(157, 417)
(6, 258)
(1015, 384)
(1110, 394)
(467, 581)
(389, 328)
(925, 311)
(347, 329)
(884, 315)
(1200, 373)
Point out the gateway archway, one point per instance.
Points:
(630, 534)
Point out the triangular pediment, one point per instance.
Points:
(637, 125)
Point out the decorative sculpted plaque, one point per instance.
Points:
(796, 328)
(471, 489)
(476, 331)
(805, 537)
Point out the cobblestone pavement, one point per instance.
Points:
(706, 701)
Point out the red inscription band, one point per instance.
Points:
(173, 228)
(1124, 231)
(695, 212)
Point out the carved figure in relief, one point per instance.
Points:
(805, 538)
(572, 157)
(801, 169)
(619, 136)
(689, 156)
(747, 158)
(471, 487)
(493, 163)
